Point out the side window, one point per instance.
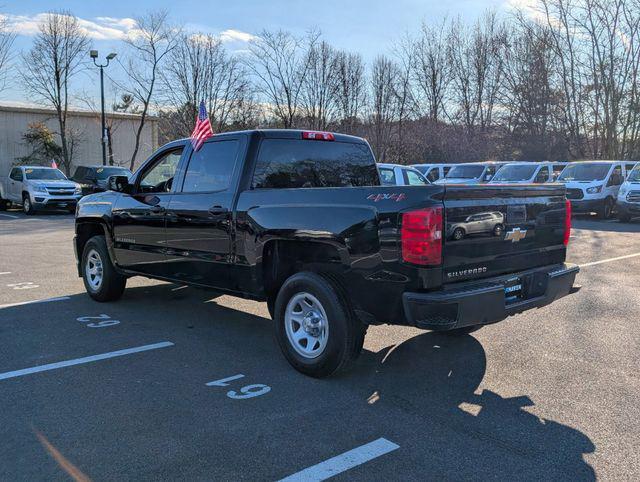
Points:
(629, 167)
(159, 177)
(489, 173)
(387, 177)
(211, 168)
(412, 178)
(16, 174)
(616, 178)
(434, 174)
(446, 169)
(542, 176)
(300, 163)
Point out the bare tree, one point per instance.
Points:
(351, 91)
(199, 69)
(476, 56)
(7, 37)
(48, 67)
(383, 105)
(405, 54)
(320, 85)
(150, 42)
(280, 68)
(433, 69)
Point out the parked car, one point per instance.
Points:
(524, 173)
(37, 187)
(300, 220)
(433, 172)
(628, 204)
(471, 173)
(94, 178)
(592, 186)
(491, 222)
(397, 175)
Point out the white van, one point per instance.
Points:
(433, 172)
(397, 175)
(629, 196)
(592, 186)
(524, 173)
(471, 173)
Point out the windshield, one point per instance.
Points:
(634, 176)
(515, 172)
(105, 172)
(585, 172)
(44, 174)
(465, 172)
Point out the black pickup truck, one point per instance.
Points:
(299, 219)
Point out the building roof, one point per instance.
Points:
(75, 111)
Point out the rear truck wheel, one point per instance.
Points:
(498, 229)
(101, 280)
(465, 330)
(458, 234)
(606, 210)
(315, 327)
(27, 205)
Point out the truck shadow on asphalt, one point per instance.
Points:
(431, 378)
(590, 223)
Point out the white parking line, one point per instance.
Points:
(10, 216)
(86, 359)
(635, 255)
(5, 272)
(343, 462)
(47, 300)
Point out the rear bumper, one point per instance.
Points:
(632, 209)
(586, 205)
(483, 302)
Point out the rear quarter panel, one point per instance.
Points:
(362, 224)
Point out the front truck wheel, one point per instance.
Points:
(315, 327)
(101, 280)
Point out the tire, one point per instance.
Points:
(271, 306)
(27, 205)
(325, 309)
(465, 330)
(95, 257)
(3, 204)
(606, 210)
(498, 229)
(458, 234)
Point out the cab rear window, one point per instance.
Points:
(298, 163)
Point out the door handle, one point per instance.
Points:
(218, 210)
(157, 210)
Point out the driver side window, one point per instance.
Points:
(159, 177)
(616, 177)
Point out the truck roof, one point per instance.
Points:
(274, 134)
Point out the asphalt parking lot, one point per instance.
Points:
(172, 382)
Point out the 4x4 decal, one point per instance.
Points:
(386, 197)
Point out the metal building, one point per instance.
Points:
(14, 122)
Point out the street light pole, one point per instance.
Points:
(104, 138)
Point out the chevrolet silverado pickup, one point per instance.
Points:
(299, 219)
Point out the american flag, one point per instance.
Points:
(202, 131)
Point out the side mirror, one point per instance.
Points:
(119, 184)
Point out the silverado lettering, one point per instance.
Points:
(286, 217)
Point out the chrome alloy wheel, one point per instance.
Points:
(306, 325)
(93, 270)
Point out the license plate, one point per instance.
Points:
(513, 290)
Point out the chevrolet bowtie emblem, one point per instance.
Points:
(515, 235)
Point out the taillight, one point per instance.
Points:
(318, 136)
(421, 236)
(567, 223)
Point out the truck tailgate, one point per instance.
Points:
(497, 229)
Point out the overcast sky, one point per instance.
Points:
(365, 26)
